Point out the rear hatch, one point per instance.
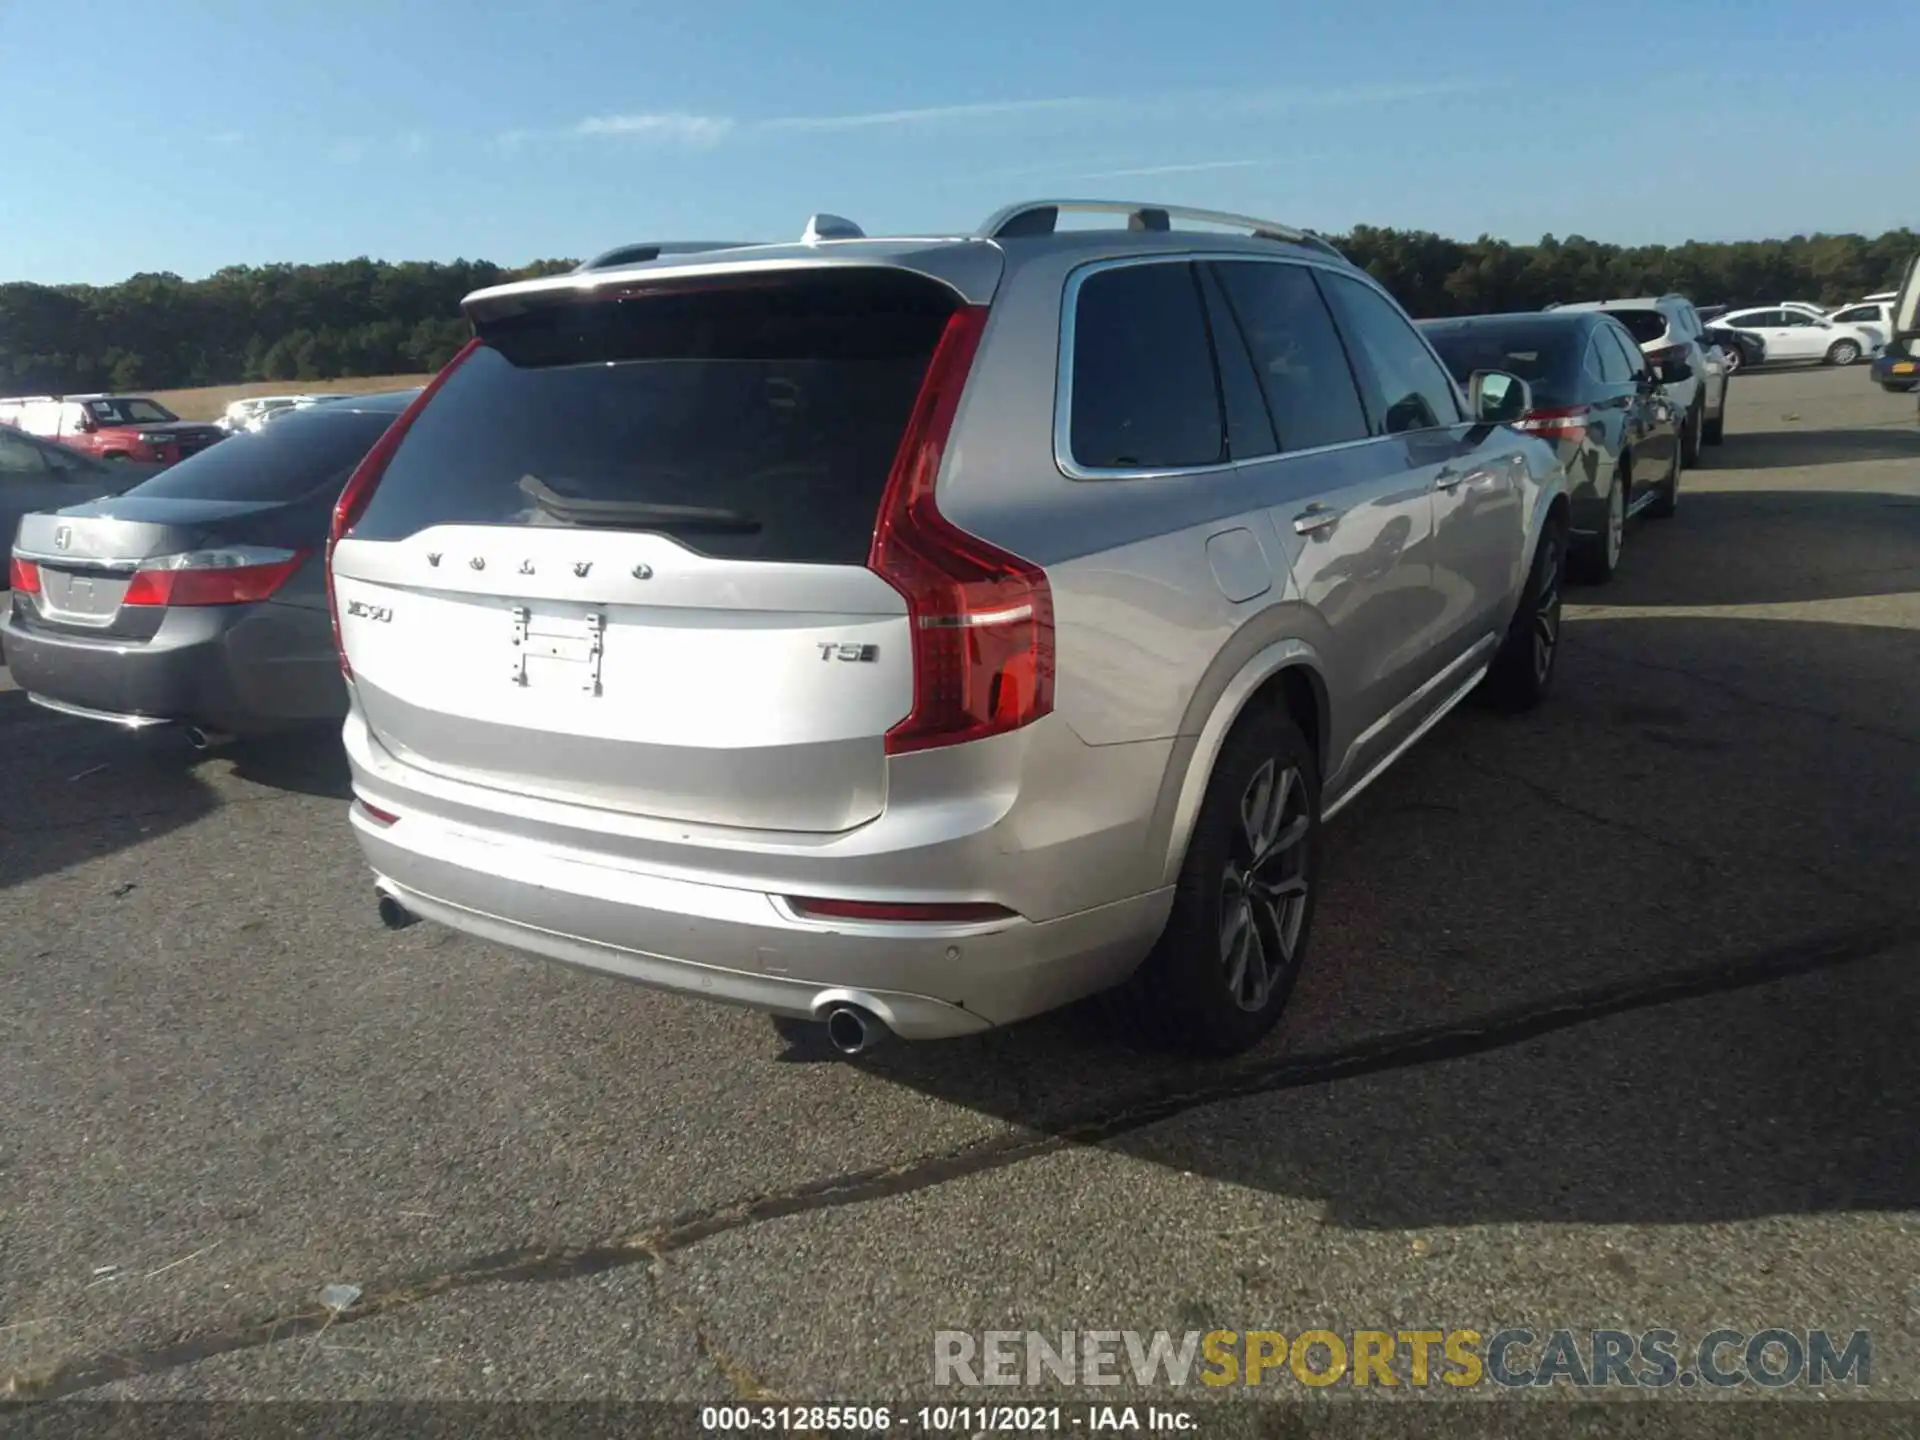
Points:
(1647, 326)
(224, 527)
(619, 557)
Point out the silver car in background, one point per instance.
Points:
(918, 634)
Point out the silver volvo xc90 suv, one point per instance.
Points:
(916, 634)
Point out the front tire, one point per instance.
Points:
(1842, 352)
(1219, 977)
(1522, 671)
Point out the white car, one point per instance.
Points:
(1795, 333)
(1867, 316)
(1874, 312)
(252, 412)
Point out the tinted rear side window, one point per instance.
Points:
(1145, 396)
(291, 458)
(1547, 355)
(1631, 355)
(1410, 389)
(1297, 352)
(1646, 326)
(781, 401)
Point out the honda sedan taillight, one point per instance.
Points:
(240, 575)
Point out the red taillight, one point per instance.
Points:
(366, 475)
(1666, 355)
(899, 912)
(212, 577)
(375, 813)
(981, 618)
(1558, 422)
(23, 576)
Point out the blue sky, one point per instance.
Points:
(186, 136)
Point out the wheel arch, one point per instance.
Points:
(1288, 673)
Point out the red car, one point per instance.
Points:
(111, 427)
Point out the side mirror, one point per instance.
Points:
(87, 425)
(1674, 372)
(1498, 398)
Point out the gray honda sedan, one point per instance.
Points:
(198, 597)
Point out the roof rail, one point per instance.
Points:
(1041, 217)
(642, 251)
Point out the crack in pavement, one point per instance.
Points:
(1713, 682)
(1666, 842)
(1043, 1136)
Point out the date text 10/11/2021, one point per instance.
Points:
(947, 1419)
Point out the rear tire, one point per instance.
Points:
(1842, 352)
(1714, 432)
(1667, 495)
(1522, 671)
(1595, 561)
(1690, 432)
(1218, 979)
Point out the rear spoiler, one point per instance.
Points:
(641, 251)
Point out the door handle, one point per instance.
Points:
(1315, 518)
(1448, 479)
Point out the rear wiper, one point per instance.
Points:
(635, 512)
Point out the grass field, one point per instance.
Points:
(208, 402)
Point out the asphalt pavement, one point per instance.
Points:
(1610, 1021)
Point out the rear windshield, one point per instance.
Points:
(774, 408)
(1646, 326)
(1545, 354)
(300, 455)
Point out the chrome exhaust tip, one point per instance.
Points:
(394, 915)
(853, 1031)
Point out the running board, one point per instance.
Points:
(1440, 712)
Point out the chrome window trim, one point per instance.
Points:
(1063, 381)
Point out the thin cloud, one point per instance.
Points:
(673, 127)
(701, 131)
(346, 152)
(932, 114)
(1166, 104)
(1193, 168)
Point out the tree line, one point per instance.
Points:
(373, 317)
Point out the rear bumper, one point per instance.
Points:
(244, 670)
(745, 947)
(713, 922)
(1896, 372)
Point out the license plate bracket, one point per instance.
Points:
(548, 638)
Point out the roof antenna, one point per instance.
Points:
(831, 227)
